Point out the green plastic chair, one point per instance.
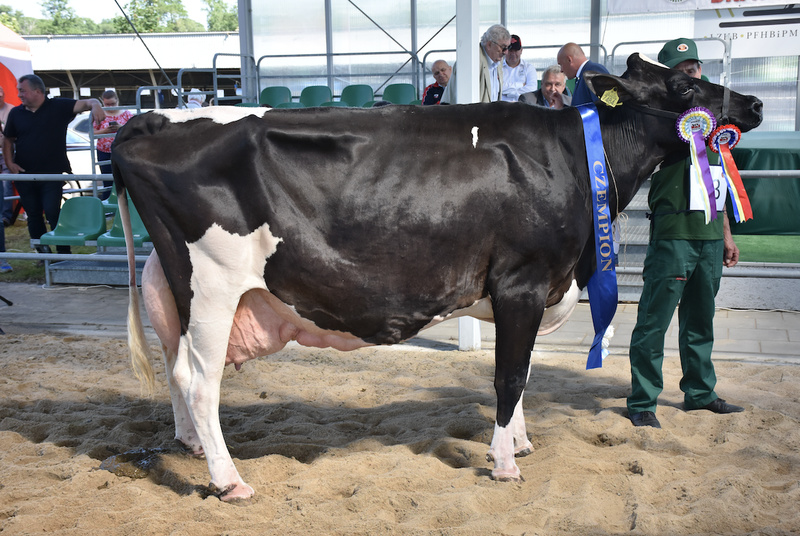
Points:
(116, 238)
(81, 219)
(315, 95)
(369, 104)
(290, 105)
(248, 104)
(275, 95)
(400, 93)
(335, 104)
(418, 101)
(111, 203)
(357, 95)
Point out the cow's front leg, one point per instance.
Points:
(198, 374)
(517, 321)
(519, 433)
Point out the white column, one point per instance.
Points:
(469, 334)
(467, 50)
(467, 40)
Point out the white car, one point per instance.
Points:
(80, 159)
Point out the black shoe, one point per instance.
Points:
(644, 418)
(720, 406)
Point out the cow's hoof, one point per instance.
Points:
(235, 493)
(523, 451)
(518, 453)
(189, 451)
(507, 476)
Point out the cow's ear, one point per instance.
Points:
(610, 88)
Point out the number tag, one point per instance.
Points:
(720, 190)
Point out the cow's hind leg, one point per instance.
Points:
(198, 374)
(517, 320)
(185, 432)
(224, 267)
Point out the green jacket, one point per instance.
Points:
(669, 203)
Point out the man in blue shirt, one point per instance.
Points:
(574, 64)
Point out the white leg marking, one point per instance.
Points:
(224, 266)
(474, 137)
(522, 446)
(502, 453)
(508, 442)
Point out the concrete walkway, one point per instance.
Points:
(741, 335)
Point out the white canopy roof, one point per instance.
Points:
(126, 51)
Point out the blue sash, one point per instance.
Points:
(602, 286)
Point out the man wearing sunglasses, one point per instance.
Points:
(493, 47)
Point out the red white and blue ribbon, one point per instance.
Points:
(602, 286)
(721, 141)
(694, 126)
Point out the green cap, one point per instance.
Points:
(678, 50)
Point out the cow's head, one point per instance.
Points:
(649, 86)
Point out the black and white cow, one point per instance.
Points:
(348, 227)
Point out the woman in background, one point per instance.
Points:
(114, 119)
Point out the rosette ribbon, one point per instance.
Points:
(602, 286)
(694, 126)
(721, 141)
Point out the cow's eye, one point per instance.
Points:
(686, 90)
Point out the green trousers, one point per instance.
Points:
(689, 272)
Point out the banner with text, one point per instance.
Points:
(653, 6)
(753, 33)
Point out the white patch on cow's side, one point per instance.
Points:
(219, 114)
(225, 266)
(474, 137)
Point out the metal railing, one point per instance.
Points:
(332, 75)
(242, 77)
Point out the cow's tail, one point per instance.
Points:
(141, 357)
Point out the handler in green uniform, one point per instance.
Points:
(683, 264)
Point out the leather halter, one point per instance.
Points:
(726, 99)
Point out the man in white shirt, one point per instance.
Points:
(494, 45)
(518, 76)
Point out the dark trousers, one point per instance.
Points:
(41, 198)
(689, 272)
(105, 168)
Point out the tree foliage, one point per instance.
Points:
(15, 20)
(60, 19)
(154, 16)
(221, 18)
(149, 16)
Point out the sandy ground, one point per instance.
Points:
(389, 441)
